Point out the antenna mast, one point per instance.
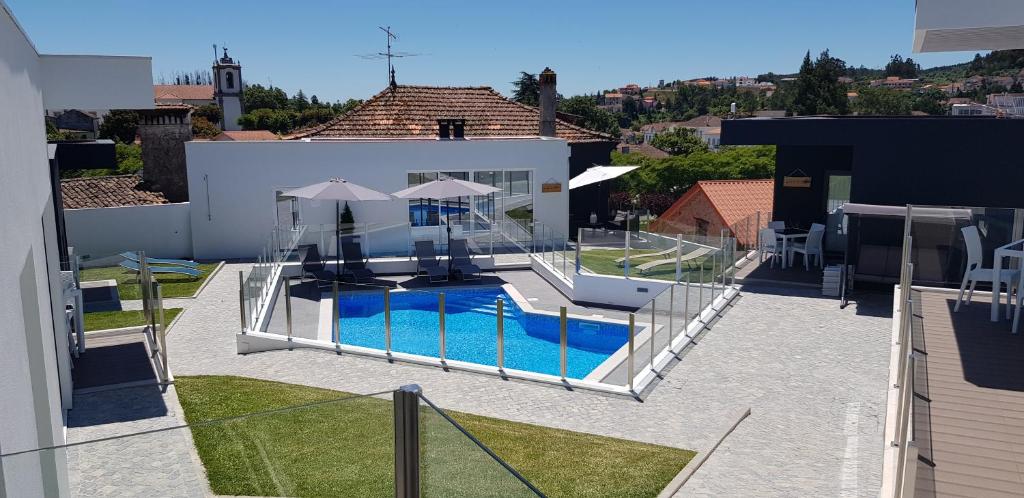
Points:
(388, 54)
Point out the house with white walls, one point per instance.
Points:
(36, 385)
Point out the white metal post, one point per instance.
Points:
(336, 322)
(440, 317)
(387, 320)
(241, 298)
(579, 242)
(679, 257)
(629, 351)
(671, 312)
(625, 265)
(653, 329)
(563, 341)
(287, 305)
(501, 333)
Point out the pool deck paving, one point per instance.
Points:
(814, 377)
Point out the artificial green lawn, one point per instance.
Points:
(102, 320)
(172, 285)
(602, 262)
(343, 446)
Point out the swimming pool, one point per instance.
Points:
(531, 339)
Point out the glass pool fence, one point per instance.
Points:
(495, 330)
(393, 443)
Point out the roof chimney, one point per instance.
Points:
(547, 102)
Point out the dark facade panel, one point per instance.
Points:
(592, 198)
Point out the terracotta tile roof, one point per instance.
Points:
(107, 191)
(643, 149)
(733, 200)
(182, 92)
(702, 121)
(245, 135)
(410, 111)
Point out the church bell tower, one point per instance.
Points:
(227, 90)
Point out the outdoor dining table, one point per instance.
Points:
(1014, 249)
(787, 235)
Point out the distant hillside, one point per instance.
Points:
(998, 63)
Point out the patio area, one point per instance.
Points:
(969, 406)
(813, 375)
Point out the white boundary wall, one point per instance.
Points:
(232, 184)
(162, 230)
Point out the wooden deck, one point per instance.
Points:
(969, 403)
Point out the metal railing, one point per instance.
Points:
(153, 313)
(256, 286)
(388, 443)
(904, 438)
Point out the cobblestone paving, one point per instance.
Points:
(156, 464)
(811, 373)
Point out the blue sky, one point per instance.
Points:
(312, 45)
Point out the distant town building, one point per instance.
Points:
(649, 103)
(612, 102)
(972, 109)
(630, 89)
(895, 83)
(1011, 104)
(193, 95)
(846, 80)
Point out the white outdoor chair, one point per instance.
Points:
(817, 226)
(1020, 302)
(777, 225)
(770, 245)
(975, 273)
(812, 247)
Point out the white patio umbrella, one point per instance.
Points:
(446, 188)
(596, 174)
(337, 190)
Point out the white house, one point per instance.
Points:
(234, 186)
(35, 387)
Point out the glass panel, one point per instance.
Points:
(422, 212)
(333, 447)
(453, 464)
(838, 191)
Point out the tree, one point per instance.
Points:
(275, 120)
(120, 125)
(901, 68)
(526, 89)
(674, 175)
(883, 102)
(298, 103)
(592, 117)
(203, 128)
(680, 142)
(255, 96)
(340, 108)
(346, 217)
(818, 90)
(129, 158)
(209, 112)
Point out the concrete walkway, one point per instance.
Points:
(814, 376)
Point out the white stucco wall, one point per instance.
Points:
(162, 230)
(96, 82)
(242, 177)
(30, 397)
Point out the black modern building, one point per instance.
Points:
(823, 162)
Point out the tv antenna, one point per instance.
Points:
(389, 54)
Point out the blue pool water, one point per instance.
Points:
(531, 340)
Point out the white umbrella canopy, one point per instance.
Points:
(338, 189)
(445, 188)
(597, 174)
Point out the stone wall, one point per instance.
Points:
(163, 133)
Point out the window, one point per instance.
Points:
(838, 190)
(702, 226)
(515, 200)
(229, 78)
